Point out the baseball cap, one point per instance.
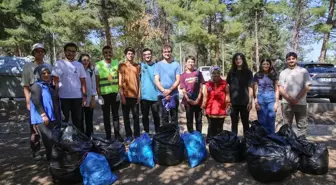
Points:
(37, 46)
(214, 68)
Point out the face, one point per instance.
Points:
(216, 76)
(167, 53)
(130, 56)
(239, 61)
(70, 53)
(86, 61)
(107, 53)
(291, 61)
(45, 75)
(39, 54)
(190, 64)
(147, 56)
(266, 66)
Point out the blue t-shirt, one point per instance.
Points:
(148, 87)
(265, 88)
(167, 73)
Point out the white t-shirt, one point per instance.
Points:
(69, 74)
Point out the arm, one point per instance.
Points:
(250, 90)
(284, 94)
(25, 83)
(176, 83)
(120, 81)
(139, 86)
(26, 92)
(83, 85)
(36, 94)
(157, 83)
(227, 95)
(98, 85)
(205, 96)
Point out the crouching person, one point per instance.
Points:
(44, 106)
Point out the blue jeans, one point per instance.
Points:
(266, 114)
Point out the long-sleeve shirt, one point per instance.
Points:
(90, 86)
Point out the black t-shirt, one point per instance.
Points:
(239, 81)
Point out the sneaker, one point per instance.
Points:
(119, 138)
(129, 139)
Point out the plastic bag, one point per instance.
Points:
(168, 147)
(115, 152)
(64, 166)
(195, 146)
(96, 170)
(255, 133)
(68, 137)
(140, 151)
(318, 162)
(226, 147)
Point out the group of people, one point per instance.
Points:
(71, 86)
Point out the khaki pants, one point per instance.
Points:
(301, 116)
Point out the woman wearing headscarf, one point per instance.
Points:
(215, 102)
(44, 106)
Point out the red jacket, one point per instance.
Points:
(216, 99)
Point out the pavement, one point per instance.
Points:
(17, 166)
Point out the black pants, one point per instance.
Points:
(244, 115)
(191, 112)
(34, 138)
(146, 106)
(87, 119)
(111, 103)
(73, 105)
(173, 113)
(131, 106)
(215, 126)
(47, 137)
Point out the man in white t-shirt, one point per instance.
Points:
(69, 77)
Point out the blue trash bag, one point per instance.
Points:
(95, 170)
(195, 146)
(140, 151)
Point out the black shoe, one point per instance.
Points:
(37, 156)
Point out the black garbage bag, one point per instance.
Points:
(69, 138)
(64, 166)
(168, 147)
(255, 133)
(114, 151)
(318, 162)
(226, 147)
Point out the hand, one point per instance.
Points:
(138, 100)
(257, 106)
(197, 101)
(166, 92)
(294, 101)
(45, 119)
(203, 106)
(84, 100)
(168, 97)
(92, 102)
(276, 107)
(191, 102)
(28, 105)
(123, 100)
(249, 106)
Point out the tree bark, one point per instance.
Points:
(326, 36)
(106, 24)
(209, 46)
(298, 25)
(256, 41)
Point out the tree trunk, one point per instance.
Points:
(256, 41)
(209, 46)
(223, 58)
(327, 35)
(217, 53)
(106, 24)
(298, 25)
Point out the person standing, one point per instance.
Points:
(167, 78)
(215, 102)
(266, 95)
(191, 83)
(240, 81)
(149, 100)
(69, 77)
(87, 115)
(44, 107)
(129, 81)
(28, 78)
(107, 86)
(294, 83)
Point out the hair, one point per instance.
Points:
(129, 49)
(81, 59)
(291, 54)
(272, 72)
(106, 47)
(70, 44)
(166, 46)
(234, 58)
(191, 58)
(147, 49)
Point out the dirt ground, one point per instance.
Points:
(18, 168)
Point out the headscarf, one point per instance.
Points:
(38, 71)
(214, 68)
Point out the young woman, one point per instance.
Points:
(191, 82)
(215, 102)
(266, 95)
(91, 93)
(44, 106)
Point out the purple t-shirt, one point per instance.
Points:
(265, 84)
(191, 82)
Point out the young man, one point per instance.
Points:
(191, 84)
(129, 81)
(167, 78)
(149, 91)
(28, 78)
(108, 87)
(294, 84)
(240, 80)
(69, 77)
